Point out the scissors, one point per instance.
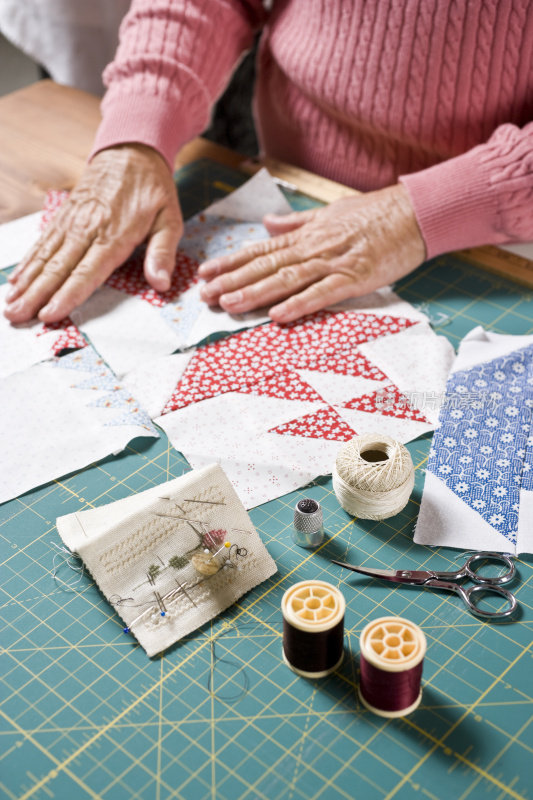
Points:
(445, 580)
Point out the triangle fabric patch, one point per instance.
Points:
(325, 423)
(68, 336)
(285, 385)
(388, 401)
(129, 278)
(228, 365)
(323, 342)
(328, 333)
(352, 363)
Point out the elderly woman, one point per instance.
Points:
(423, 105)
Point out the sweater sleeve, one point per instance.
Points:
(484, 196)
(174, 59)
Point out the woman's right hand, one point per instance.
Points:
(125, 196)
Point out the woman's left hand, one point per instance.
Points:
(319, 257)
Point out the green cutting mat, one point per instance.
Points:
(86, 714)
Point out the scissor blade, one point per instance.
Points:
(394, 575)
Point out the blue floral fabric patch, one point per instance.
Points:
(483, 447)
(209, 236)
(103, 379)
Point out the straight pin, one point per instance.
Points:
(184, 519)
(160, 603)
(211, 502)
(172, 501)
(182, 588)
(225, 545)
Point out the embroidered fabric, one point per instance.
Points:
(478, 492)
(173, 557)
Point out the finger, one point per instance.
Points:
(218, 266)
(326, 292)
(45, 282)
(160, 256)
(16, 309)
(96, 266)
(277, 224)
(32, 263)
(44, 246)
(254, 271)
(285, 282)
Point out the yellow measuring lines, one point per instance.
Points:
(441, 742)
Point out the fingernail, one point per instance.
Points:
(211, 266)
(51, 308)
(18, 305)
(232, 299)
(11, 293)
(279, 313)
(155, 266)
(162, 276)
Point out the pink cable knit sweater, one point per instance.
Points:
(436, 93)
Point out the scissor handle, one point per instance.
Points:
(489, 580)
(469, 594)
(468, 597)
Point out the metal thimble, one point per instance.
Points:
(308, 527)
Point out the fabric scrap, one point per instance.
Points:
(273, 404)
(478, 491)
(61, 415)
(420, 374)
(32, 342)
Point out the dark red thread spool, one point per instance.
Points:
(391, 661)
(313, 628)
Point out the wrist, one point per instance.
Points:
(129, 151)
(453, 204)
(410, 239)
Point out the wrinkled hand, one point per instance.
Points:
(320, 257)
(126, 195)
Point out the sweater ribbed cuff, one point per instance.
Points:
(143, 119)
(454, 205)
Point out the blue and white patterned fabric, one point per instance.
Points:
(478, 491)
(102, 379)
(483, 447)
(210, 236)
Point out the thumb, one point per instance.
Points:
(277, 224)
(163, 241)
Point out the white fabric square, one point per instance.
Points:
(32, 342)
(60, 416)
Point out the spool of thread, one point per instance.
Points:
(308, 526)
(313, 628)
(373, 476)
(391, 661)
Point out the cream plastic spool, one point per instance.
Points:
(392, 644)
(313, 607)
